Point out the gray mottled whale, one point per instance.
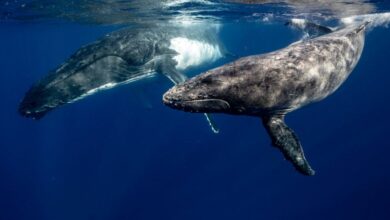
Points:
(273, 84)
(122, 57)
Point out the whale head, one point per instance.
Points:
(205, 93)
(36, 104)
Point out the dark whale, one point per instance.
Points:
(271, 85)
(122, 57)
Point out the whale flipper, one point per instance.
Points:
(212, 124)
(177, 77)
(285, 139)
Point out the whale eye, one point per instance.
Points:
(207, 80)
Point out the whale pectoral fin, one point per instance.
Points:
(212, 124)
(166, 66)
(312, 29)
(177, 77)
(285, 139)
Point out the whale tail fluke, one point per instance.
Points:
(362, 27)
(285, 139)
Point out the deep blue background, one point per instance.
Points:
(123, 155)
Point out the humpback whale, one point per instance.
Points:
(271, 85)
(122, 57)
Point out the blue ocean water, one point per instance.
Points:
(121, 154)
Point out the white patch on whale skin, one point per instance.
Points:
(313, 72)
(111, 85)
(175, 3)
(193, 52)
(103, 87)
(298, 22)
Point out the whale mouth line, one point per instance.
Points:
(198, 105)
(219, 101)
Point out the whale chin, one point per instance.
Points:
(32, 114)
(27, 111)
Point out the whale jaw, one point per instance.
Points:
(181, 98)
(201, 105)
(36, 104)
(36, 115)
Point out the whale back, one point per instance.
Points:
(284, 80)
